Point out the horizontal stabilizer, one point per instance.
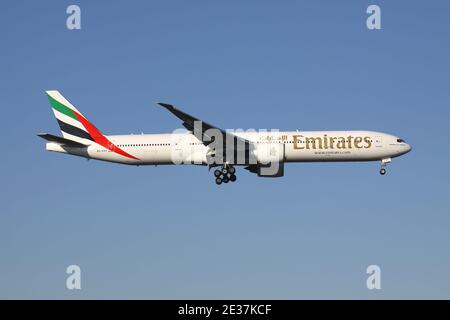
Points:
(61, 140)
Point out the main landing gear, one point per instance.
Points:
(384, 163)
(225, 174)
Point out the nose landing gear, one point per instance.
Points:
(225, 174)
(384, 163)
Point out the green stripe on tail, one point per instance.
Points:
(61, 108)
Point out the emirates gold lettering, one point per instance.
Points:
(301, 142)
(325, 141)
(350, 142)
(368, 142)
(297, 141)
(357, 142)
(341, 143)
(313, 142)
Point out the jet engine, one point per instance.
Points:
(269, 160)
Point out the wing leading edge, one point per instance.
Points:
(200, 128)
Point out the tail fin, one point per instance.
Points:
(74, 126)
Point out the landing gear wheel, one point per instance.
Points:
(225, 174)
(384, 163)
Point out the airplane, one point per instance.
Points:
(261, 152)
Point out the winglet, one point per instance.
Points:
(166, 105)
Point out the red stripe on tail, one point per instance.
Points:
(100, 138)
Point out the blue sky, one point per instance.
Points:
(170, 232)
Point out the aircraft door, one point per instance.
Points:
(177, 147)
(378, 141)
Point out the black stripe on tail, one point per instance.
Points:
(67, 128)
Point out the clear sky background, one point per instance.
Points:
(170, 232)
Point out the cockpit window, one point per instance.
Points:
(401, 140)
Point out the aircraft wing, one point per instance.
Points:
(200, 130)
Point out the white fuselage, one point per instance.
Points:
(299, 146)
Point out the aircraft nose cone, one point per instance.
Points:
(408, 148)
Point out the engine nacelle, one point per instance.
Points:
(270, 160)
